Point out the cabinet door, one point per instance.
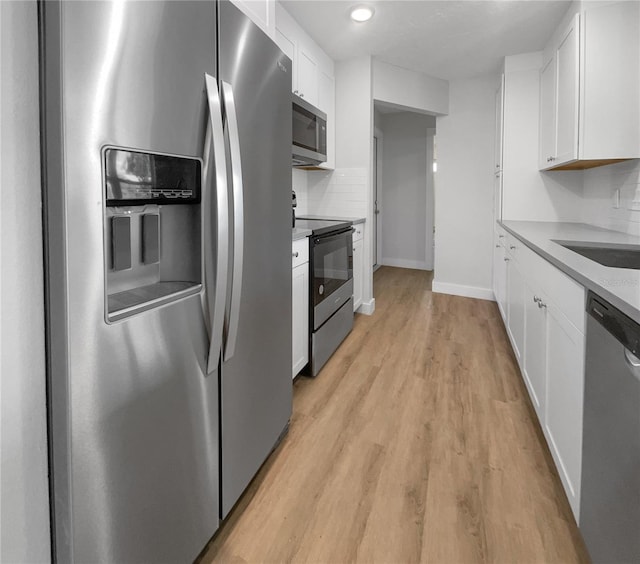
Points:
(288, 47)
(327, 103)
(500, 277)
(497, 150)
(358, 273)
(567, 84)
(307, 76)
(547, 114)
(535, 350)
(300, 317)
(564, 395)
(515, 307)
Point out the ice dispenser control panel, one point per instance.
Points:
(152, 213)
(136, 178)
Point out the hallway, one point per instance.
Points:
(416, 443)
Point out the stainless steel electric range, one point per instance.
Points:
(330, 287)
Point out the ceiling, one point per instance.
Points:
(445, 39)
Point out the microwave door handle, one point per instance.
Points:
(216, 269)
(238, 220)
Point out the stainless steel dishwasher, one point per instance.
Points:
(610, 490)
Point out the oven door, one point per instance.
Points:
(332, 271)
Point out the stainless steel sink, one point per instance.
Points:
(607, 254)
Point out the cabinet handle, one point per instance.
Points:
(536, 299)
(498, 246)
(541, 304)
(512, 247)
(354, 249)
(296, 91)
(506, 259)
(500, 236)
(295, 255)
(301, 94)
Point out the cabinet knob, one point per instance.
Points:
(497, 246)
(295, 255)
(301, 94)
(296, 91)
(500, 236)
(541, 304)
(536, 299)
(354, 249)
(506, 259)
(512, 247)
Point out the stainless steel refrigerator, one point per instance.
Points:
(166, 134)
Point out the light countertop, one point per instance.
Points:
(619, 286)
(299, 233)
(353, 220)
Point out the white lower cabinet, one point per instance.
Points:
(535, 352)
(300, 305)
(548, 342)
(515, 307)
(563, 410)
(358, 265)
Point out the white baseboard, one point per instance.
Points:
(403, 263)
(367, 307)
(464, 291)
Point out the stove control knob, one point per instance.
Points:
(321, 289)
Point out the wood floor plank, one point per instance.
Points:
(415, 443)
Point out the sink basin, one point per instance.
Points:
(607, 254)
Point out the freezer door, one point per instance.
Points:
(256, 384)
(134, 414)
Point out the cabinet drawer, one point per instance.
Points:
(358, 233)
(299, 252)
(567, 295)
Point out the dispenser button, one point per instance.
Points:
(150, 238)
(121, 242)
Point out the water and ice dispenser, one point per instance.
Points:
(153, 232)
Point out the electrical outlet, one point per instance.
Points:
(635, 203)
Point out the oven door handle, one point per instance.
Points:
(332, 237)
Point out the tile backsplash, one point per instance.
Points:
(599, 197)
(340, 192)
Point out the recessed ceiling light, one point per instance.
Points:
(362, 13)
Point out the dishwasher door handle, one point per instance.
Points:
(633, 362)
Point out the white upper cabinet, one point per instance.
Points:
(590, 87)
(313, 73)
(497, 149)
(307, 86)
(260, 12)
(327, 103)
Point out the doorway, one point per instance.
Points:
(403, 188)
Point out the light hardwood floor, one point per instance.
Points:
(416, 443)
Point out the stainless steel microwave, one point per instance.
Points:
(309, 134)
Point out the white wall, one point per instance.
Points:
(403, 191)
(409, 89)
(24, 511)
(464, 189)
(354, 149)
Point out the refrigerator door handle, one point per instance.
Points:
(216, 275)
(238, 220)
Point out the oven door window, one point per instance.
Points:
(332, 265)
